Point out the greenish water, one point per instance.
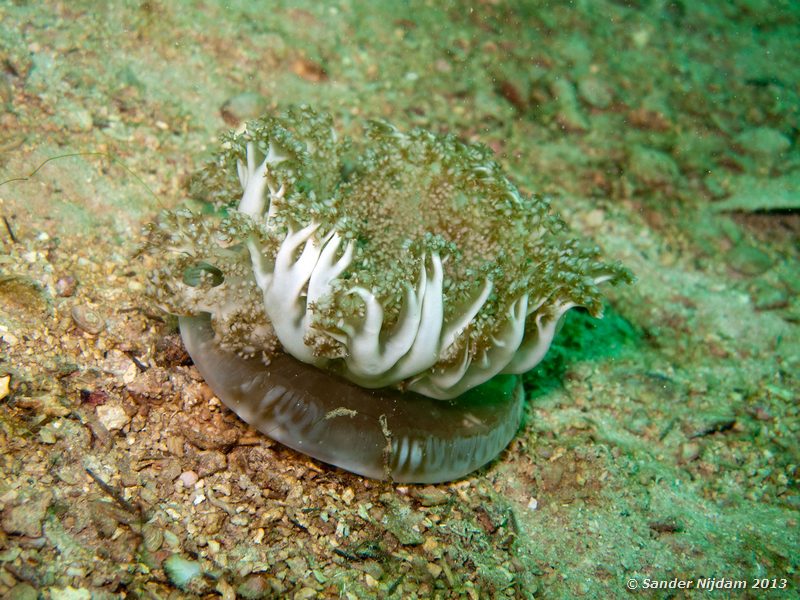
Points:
(659, 444)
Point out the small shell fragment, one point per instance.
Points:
(65, 286)
(188, 479)
(153, 537)
(87, 319)
(5, 386)
(112, 416)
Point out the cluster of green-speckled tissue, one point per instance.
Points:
(409, 260)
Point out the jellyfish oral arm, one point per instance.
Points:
(255, 180)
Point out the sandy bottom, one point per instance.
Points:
(660, 443)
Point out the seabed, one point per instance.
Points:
(659, 444)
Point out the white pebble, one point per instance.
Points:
(112, 416)
(188, 479)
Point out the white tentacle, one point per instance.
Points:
(283, 296)
(533, 348)
(469, 373)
